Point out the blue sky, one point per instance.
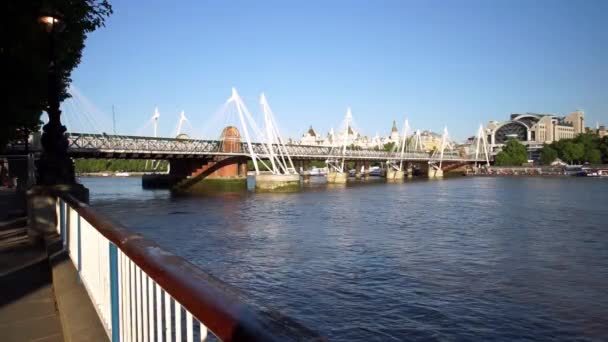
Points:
(454, 63)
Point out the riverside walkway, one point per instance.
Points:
(40, 297)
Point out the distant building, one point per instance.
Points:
(535, 129)
(394, 137)
(600, 130)
(352, 137)
(430, 140)
(311, 138)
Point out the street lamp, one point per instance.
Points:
(54, 166)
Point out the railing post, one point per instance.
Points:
(114, 305)
(62, 221)
(78, 249)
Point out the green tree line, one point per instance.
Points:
(117, 165)
(585, 148)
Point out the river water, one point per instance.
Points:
(457, 259)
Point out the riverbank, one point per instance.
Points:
(115, 174)
(574, 170)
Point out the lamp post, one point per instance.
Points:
(54, 166)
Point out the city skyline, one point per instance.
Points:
(454, 65)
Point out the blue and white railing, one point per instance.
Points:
(144, 293)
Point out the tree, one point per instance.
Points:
(572, 151)
(388, 147)
(603, 147)
(547, 155)
(513, 154)
(503, 159)
(593, 156)
(25, 54)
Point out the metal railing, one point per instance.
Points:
(83, 145)
(144, 293)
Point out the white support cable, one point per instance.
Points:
(269, 133)
(486, 148)
(406, 128)
(444, 142)
(235, 97)
(155, 118)
(479, 132)
(274, 138)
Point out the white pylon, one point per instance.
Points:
(155, 118)
(244, 115)
(418, 147)
(481, 140)
(406, 130)
(280, 159)
(337, 162)
(444, 142)
(180, 123)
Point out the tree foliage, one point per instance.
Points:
(25, 55)
(585, 148)
(513, 154)
(389, 146)
(117, 165)
(548, 155)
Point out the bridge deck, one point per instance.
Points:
(136, 147)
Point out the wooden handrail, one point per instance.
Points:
(219, 306)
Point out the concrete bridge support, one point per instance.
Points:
(334, 177)
(358, 170)
(306, 176)
(179, 169)
(394, 175)
(435, 173)
(305, 171)
(277, 183)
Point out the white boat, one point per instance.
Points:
(317, 171)
(105, 174)
(122, 174)
(375, 171)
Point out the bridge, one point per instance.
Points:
(194, 158)
(83, 145)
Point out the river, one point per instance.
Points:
(466, 258)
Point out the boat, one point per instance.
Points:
(315, 171)
(122, 174)
(597, 173)
(375, 171)
(105, 174)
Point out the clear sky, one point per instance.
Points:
(436, 62)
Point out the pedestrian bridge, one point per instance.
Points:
(82, 145)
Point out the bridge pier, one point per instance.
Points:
(394, 175)
(334, 177)
(435, 173)
(357, 170)
(410, 171)
(277, 183)
(305, 167)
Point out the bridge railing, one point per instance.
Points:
(144, 293)
(87, 143)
